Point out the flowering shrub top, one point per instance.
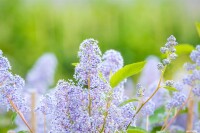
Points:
(94, 101)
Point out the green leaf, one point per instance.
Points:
(170, 88)
(136, 130)
(155, 118)
(75, 64)
(183, 111)
(199, 107)
(184, 49)
(155, 129)
(128, 101)
(23, 132)
(13, 117)
(198, 28)
(181, 49)
(125, 72)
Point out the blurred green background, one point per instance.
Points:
(136, 28)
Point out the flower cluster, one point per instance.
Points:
(11, 87)
(91, 105)
(193, 78)
(178, 97)
(169, 50)
(41, 76)
(38, 80)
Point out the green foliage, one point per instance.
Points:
(13, 117)
(128, 101)
(156, 129)
(23, 132)
(74, 64)
(199, 107)
(184, 111)
(198, 28)
(170, 88)
(155, 118)
(125, 72)
(136, 130)
(184, 49)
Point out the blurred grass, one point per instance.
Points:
(136, 28)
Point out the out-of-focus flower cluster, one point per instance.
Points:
(193, 78)
(11, 87)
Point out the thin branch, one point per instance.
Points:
(175, 116)
(19, 113)
(89, 97)
(166, 119)
(106, 114)
(158, 87)
(33, 116)
(190, 114)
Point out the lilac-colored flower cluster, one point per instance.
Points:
(169, 50)
(90, 58)
(11, 87)
(177, 100)
(193, 78)
(148, 108)
(38, 80)
(197, 126)
(90, 105)
(41, 76)
(179, 97)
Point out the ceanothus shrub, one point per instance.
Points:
(95, 100)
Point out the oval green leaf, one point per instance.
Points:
(128, 101)
(136, 130)
(125, 72)
(23, 132)
(75, 64)
(170, 88)
(13, 117)
(198, 28)
(184, 49)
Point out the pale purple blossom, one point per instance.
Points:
(193, 78)
(41, 76)
(177, 100)
(148, 108)
(11, 87)
(169, 50)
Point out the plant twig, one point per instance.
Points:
(89, 97)
(19, 113)
(175, 116)
(158, 87)
(190, 114)
(106, 114)
(33, 116)
(166, 119)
